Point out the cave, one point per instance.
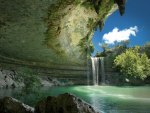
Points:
(48, 47)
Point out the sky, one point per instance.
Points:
(134, 26)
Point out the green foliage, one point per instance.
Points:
(90, 23)
(104, 46)
(102, 8)
(88, 4)
(119, 50)
(124, 43)
(98, 54)
(100, 24)
(30, 79)
(87, 47)
(32, 85)
(77, 2)
(146, 49)
(133, 64)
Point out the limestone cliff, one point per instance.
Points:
(50, 32)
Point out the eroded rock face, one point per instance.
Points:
(11, 105)
(49, 32)
(65, 103)
(8, 79)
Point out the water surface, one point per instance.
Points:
(106, 99)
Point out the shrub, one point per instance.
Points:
(133, 64)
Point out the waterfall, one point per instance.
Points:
(88, 73)
(95, 69)
(102, 70)
(98, 69)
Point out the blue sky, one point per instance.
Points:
(137, 14)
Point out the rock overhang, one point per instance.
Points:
(51, 32)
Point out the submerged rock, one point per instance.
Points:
(11, 105)
(64, 103)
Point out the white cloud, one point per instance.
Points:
(117, 35)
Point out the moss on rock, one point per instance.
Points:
(50, 32)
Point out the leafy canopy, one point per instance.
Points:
(133, 64)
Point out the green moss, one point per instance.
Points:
(86, 46)
(90, 23)
(102, 8)
(2, 24)
(25, 37)
(77, 2)
(88, 5)
(53, 25)
(53, 19)
(100, 24)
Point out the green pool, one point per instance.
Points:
(106, 99)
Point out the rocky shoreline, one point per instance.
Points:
(9, 78)
(64, 103)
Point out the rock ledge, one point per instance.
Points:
(64, 103)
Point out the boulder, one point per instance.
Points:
(11, 105)
(64, 103)
(8, 79)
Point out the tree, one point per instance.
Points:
(86, 46)
(120, 47)
(105, 48)
(125, 43)
(133, 64)
(146, 49)
(98, 54)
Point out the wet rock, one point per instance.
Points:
(64, 103)
(8, 79)
(11, 105)
(48, 82)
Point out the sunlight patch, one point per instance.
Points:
(117, 35)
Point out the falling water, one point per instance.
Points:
(95, 69)
(88, 73)
(102, 70)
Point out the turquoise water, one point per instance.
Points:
(106, 99)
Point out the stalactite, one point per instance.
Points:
(101, 25)
(121, 5)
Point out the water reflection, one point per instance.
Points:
(106, 99)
